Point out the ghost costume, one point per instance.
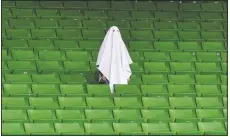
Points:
(113, 59)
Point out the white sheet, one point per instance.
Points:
(113, 59)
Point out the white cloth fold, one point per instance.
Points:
(113, 59)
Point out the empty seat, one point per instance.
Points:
(41, 115)
(18, 33)
(165, 25)
(135, 79)
(212, 36)
(211, 6)
(122, 24)
(66, 44)
(14, 116)
(23, 13)
(43, 102)
(224, 67)
(72, 89)
(75, 4)
(184, 128)
(190, 26)
(152, 116)
(99, 115)
(69, 128)
(181, 79)
(157, 56)
(6, 13)
(48, 66)
(189, 35)
(94, 24)
(89, 44)
(99, 128)
(139, 45)
(225, 102)
(14, 102)
(18, 54)
(213, 46)
(128, 128)
(17, 89)
(165, 15)
(43, 34)
(211, 26)
(70, 23)
(223, 79)
(142, 24)
(47, 13)
(127, 102)
(41, 44)
(209, 102)
(211, 16)
(155, 79)
(70, 115)
(207, 67)
(99, 4)
(13, 129)
(39, 128)
(155, 102)
(189, 46)
(141, 34)
(21, 23)
(100, 102)
(165, 46)
(71, 13)
(188, 102)
(183, 115)
(156, 67)
(210, 115)
(76, 66)
(45, 89)
(18, 78)
(122, 5)
(224, 56)
(27, 4)
(187, 6)
(144, 5)
(182, 90)
(207, 79)
(93, 34)
(51, 4)
(96, 14)
(156, 128)
(119, 15)
(72, 78)
(188, 16)
(182, 67)
(77, 55)
(72, 102)
(127, 115)
(154, 90)
(69, 34)
(51, 55)
(165, 35)
(22, 66)
(167, 6)
(142, 15)
(46, 23)
(135, 55)
(187, 56)
(208, 56)
(212, 128)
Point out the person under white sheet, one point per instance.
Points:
(113, 60)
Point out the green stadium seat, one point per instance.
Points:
(122, 5)
(97, 24)
(39, 128)
(212, 36)
(165, 15)
(223, 79)
(22, 66)
(209, 67)
(14, 116)
(119, 15)
(165, 35)
(187, 56)
(71, 102)
(72, 78)
(188, 16)
(182, 67)
(211, 16)
(184, 128)
(69, 34)
(8, 4)
(136, 56)
(45, 89)
(43, 102)
(5, 55)
(141, 34)
(5, 69)
(17, 89)
(90, 44)
(156, 128)
(154, 90)
(182, 90)
(47, 13)
(127, 90)
(142, 24)
(225, 102)
(51, 55)
(69, 128)
(46, 23)
(76, 66)
(5, 24)
(95, 14)
(99, 128)
(49, 66)
(98, 90)
(167, 6)
(135, 79)
(18, 33)
(99, 5)
(72, 89)
(190, 6)
(225, 112)
(225, 26)
(41, 116)
(21, 23)
(183, 115)
(209, 102)
(100, 115)
(207, 79)
(210, 115)
(213, 46)
(27, 4)
(12, 129)
(225, 16)
(144, 5)
(41, 44)
(189, 46)
(165, 46)
(127, 115)
(181, 79)
(188, 102)
(125, 34)
(93, 34)
(6, 13)
(224, 89)
(75, 4)
(142, 15)
(155, 79)
(66, 44)
(71, 14)
(153, 116)
(208, 56)
(70, 115)
(127, 102)
(155, 102)
(100, 102)
(70, 23)
(211, 26)
(43, 34)
(211, 6)
(157, 56)
(18, 54)
(137, 68)
(23, 13)
(51, 4)
(4, 35)
(77, 55)
(156, 67)
(166, 25)
(128, 128)
(14, 102)
(224, 67)
(212, 128)
(122, 24)
(138, 45)
(189, 35)
(189, 26)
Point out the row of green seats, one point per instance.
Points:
(79, 34)
(102, 24)
(31, 89)
(189, 128)
(115, 115)
(80, 66)
(114, 102)
(77, 55)
(114, 14)
(122, 5)
(131, 45)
